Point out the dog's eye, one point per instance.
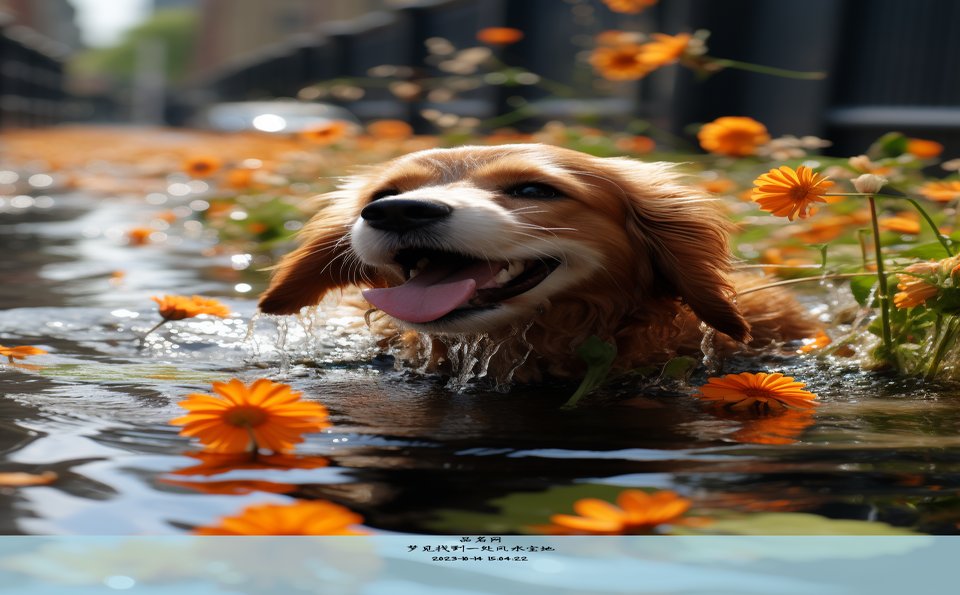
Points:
(384, 193)
(533, 190)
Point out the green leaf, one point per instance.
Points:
(891, 144)
(679, 368)
(928, 251)
(599, 356)
(794, 523)
(861, 287)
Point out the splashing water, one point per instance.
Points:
(711, 362)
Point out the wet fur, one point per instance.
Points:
(664, 264)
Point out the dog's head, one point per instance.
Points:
(472, 239)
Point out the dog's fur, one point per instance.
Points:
(643, 258)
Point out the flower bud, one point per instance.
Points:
(869, 183)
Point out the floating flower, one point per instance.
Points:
(665, 49)
(636, 512)
(620, 63)
(178, 307)
(759, 391)
(315, 517)
(265, 414)
(138, 236)
(735, 136)
(326, 133)
(21, 352)
(789, 193)
(941, 191)
(499, 35)
(924, 149)
(819, 341)
(921, 281)
(202, 166)
(629, 6)
(389, 129)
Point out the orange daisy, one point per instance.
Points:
(665, 49)
(819, 341)
(389, 129)
(629, 6)
(924, 149)
(789, 193)
(313, 517)
(735, 136)
(265, 414)
(326, 133)
(759, 391)
(941, 191)
(202, 166)
(178, 307)
(620, 63)
(21, 352)
(636, 512)
(499, 35)
(920, 281)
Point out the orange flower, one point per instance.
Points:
(924, 149)
(499, 35)
(390, 129)
(665, 49)
(215, 463)
(780, 428)
(21, 352)
(20, 479)
(620, 63)
(238, 179)
(819, 341)
(920, 281)
(616, 37)
(789, 193)
(629, 6)
(736, 136)
(900, 224)
(138, 236)
(718, 185)
(941, 191)
(326, 133)
(313, 517)
(759, 391)
(202, 166)
(637, 144)
(178, 307)
(637, 513)
(265, 414)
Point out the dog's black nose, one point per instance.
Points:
(402, 214)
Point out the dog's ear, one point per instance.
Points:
(324, 260)
(686, 238)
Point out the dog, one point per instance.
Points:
(528, 250)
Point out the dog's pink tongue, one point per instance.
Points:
(433, 293)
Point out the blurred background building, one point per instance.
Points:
(891, 65)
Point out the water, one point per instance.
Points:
(407, 452)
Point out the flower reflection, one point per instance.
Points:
(233, 487)
(636, 513)
(781, 428)
(215, 463)
(316, 517)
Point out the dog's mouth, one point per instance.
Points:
(442, 285)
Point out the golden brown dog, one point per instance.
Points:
(530, 250)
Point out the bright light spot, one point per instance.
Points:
(43, 202)
(21, 202)
(193, 226)
(8, 177)
(156, 198)
(240, 261)
(199, 205)
(251, 163)
(40, 180)
(178, 189)
(238, 215)
(119, 582)
(122, 313)
(269, 123)
(182, 211)
(198, 186)
(242, 287)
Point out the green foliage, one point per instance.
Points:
(599, 356)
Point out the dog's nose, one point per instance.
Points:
(402, 214)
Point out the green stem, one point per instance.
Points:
(793, 74)
(944, 240)
(804, 280)
(882, 294)
(143, 339)
(948, 336)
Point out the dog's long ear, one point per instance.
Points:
(686, 237)
(324, 260)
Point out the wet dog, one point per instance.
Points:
(530, 250)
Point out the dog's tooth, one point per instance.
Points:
(413, 273)
(515, 268)
(503, 276)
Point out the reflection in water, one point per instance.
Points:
(402, 447)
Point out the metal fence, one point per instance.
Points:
(892, 65)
